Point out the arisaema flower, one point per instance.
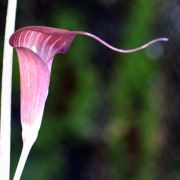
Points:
(36, 47)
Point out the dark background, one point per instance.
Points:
(108, 116)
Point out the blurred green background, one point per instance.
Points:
(108, 116)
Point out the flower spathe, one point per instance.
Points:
(36, 47)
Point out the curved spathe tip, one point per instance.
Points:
(118, 49)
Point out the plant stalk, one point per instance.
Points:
(22, 161)
(5, 126)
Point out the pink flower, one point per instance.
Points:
(36, 47)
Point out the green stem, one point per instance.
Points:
(5, 131)
(22, 161)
